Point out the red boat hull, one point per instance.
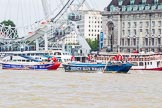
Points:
(42, 66)
(54, 66)
(155, 69)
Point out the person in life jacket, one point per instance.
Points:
(118, 57)
(54, 59)
(72, 58)
(89, 57)
(49, 59)
(115, 58)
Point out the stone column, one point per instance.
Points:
(37, 45)
(46, 42)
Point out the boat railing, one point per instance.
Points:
(127, 58)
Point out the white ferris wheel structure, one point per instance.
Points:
(44, 18)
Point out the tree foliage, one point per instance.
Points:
(93, 44)
(12, 30)
(8, 22)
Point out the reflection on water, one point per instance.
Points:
(58, 89)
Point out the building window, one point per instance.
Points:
(147, 7)
(128, 42)
(147, 32)
(141, 24)
(123, 32)
(129, 8)
(153, 15)
(129, 24)
(135, 8)
(123, 8)
(159, 31)
(134, 41)
(123, 25)
(135, 32)
(147, 24)
(152, 41)
(123, 42)
(120, 2)
(128, 32)
(153, 31)
(159, 6)
(159, 41)
(141, 7)
(134, 16)
(135, 24)
(159, 23)
(146, 41)
(140, 63)
(153, 23)
(143, 1)
(131, 2)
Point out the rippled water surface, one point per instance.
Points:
(58, 89)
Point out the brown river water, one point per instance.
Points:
(59, 89)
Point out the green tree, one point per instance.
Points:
(93, 44)
(12, 31)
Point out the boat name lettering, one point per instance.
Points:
(87, 68)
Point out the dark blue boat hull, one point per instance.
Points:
(119, 68)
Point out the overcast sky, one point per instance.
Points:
(100, 4)
(26, 12)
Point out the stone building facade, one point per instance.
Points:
(130, 25)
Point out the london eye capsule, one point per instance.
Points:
(74, 17)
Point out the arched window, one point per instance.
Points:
(143, 1)
(120, 2)
(131, 2)
(140, 63)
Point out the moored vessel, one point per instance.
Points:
(24, 62)
(117, 67)
(140, 61)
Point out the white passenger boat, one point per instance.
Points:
(62, 56)
(26, 62)
(140, 61)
